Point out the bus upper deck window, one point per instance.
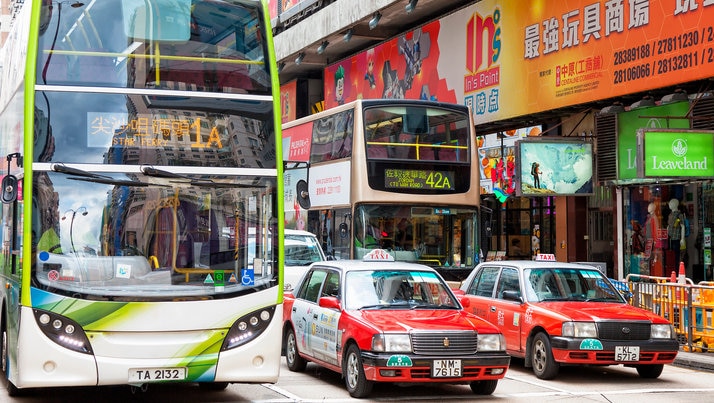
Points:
(160, 20)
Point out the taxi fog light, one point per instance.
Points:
(248, 327)
(580, 330)
(491, 342)
(388, 372)
(391, 343)
(661, 331)
(497, 371)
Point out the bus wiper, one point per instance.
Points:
(110, 181)
(62, 168)
(210, 183)
(148, 170)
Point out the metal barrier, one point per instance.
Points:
(689, 307)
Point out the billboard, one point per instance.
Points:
(507, 58)
(556, 167)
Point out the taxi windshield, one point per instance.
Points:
(568, 284)
(397, 289)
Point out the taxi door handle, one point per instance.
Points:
(294, 309)
(493, 308)
(314, 316)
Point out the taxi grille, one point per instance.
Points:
(445, 343)
(624, 330)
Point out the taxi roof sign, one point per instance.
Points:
(378, 255)
(548, 257)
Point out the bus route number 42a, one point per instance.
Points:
(156, 374)
(446, 368)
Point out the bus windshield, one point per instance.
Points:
(137, 237)
(441, 237)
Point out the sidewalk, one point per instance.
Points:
(700, 361)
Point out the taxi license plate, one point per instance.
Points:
(446, 368)
(627, 353)
(156, 374)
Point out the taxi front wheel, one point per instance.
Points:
(544, 366)
(295, 362)
(484, 387)
(355, 380)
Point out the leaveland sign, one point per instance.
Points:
(675, 153)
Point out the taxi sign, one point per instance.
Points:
(547, 257)
(378, 255)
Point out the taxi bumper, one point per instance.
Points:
(380, 367)
(653, 351)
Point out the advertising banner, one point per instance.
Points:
(508, 58)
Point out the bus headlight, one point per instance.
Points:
(63, 331)
(248, 327)
(662, 331)
(391, 343)
(491, 342)
(580, 330)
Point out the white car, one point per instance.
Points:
(302, 248)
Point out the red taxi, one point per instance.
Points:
(377, 320)
(555, 314)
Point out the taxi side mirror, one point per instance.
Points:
(511, 295)
(329, 303)
(465, 302)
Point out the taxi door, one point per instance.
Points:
(324, 340)
(508, 314)
(305, 311)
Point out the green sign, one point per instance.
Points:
(676, 154)
(657, 117)
(399, 361)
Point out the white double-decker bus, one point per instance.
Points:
(139, 182)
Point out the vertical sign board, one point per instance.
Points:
(675, 154)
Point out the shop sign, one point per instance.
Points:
(675, 154)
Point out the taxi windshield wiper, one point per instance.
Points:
(110, 181)
(375, 306)
(432, 306)
(62, 168)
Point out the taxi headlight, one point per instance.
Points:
(491, 342)
(580, 330)
(391, 343)
(662, 331)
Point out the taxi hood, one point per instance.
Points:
(406, 320)
(594, 311)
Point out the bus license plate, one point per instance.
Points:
(156, 374)
(446, 369)
(627, 353)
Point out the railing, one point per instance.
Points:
(688, 306)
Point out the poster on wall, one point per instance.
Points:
(507, 58)
(554, 167)
(288, 101)
(497, 159)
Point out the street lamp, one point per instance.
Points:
(84, 212)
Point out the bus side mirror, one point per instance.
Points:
(303, 195)
(344, 230)
(9, 189)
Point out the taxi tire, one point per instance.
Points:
(650, 371)
(484, 387)
(544, 366)
(353, 369)
(292, 356)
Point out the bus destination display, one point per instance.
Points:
(395, 178)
